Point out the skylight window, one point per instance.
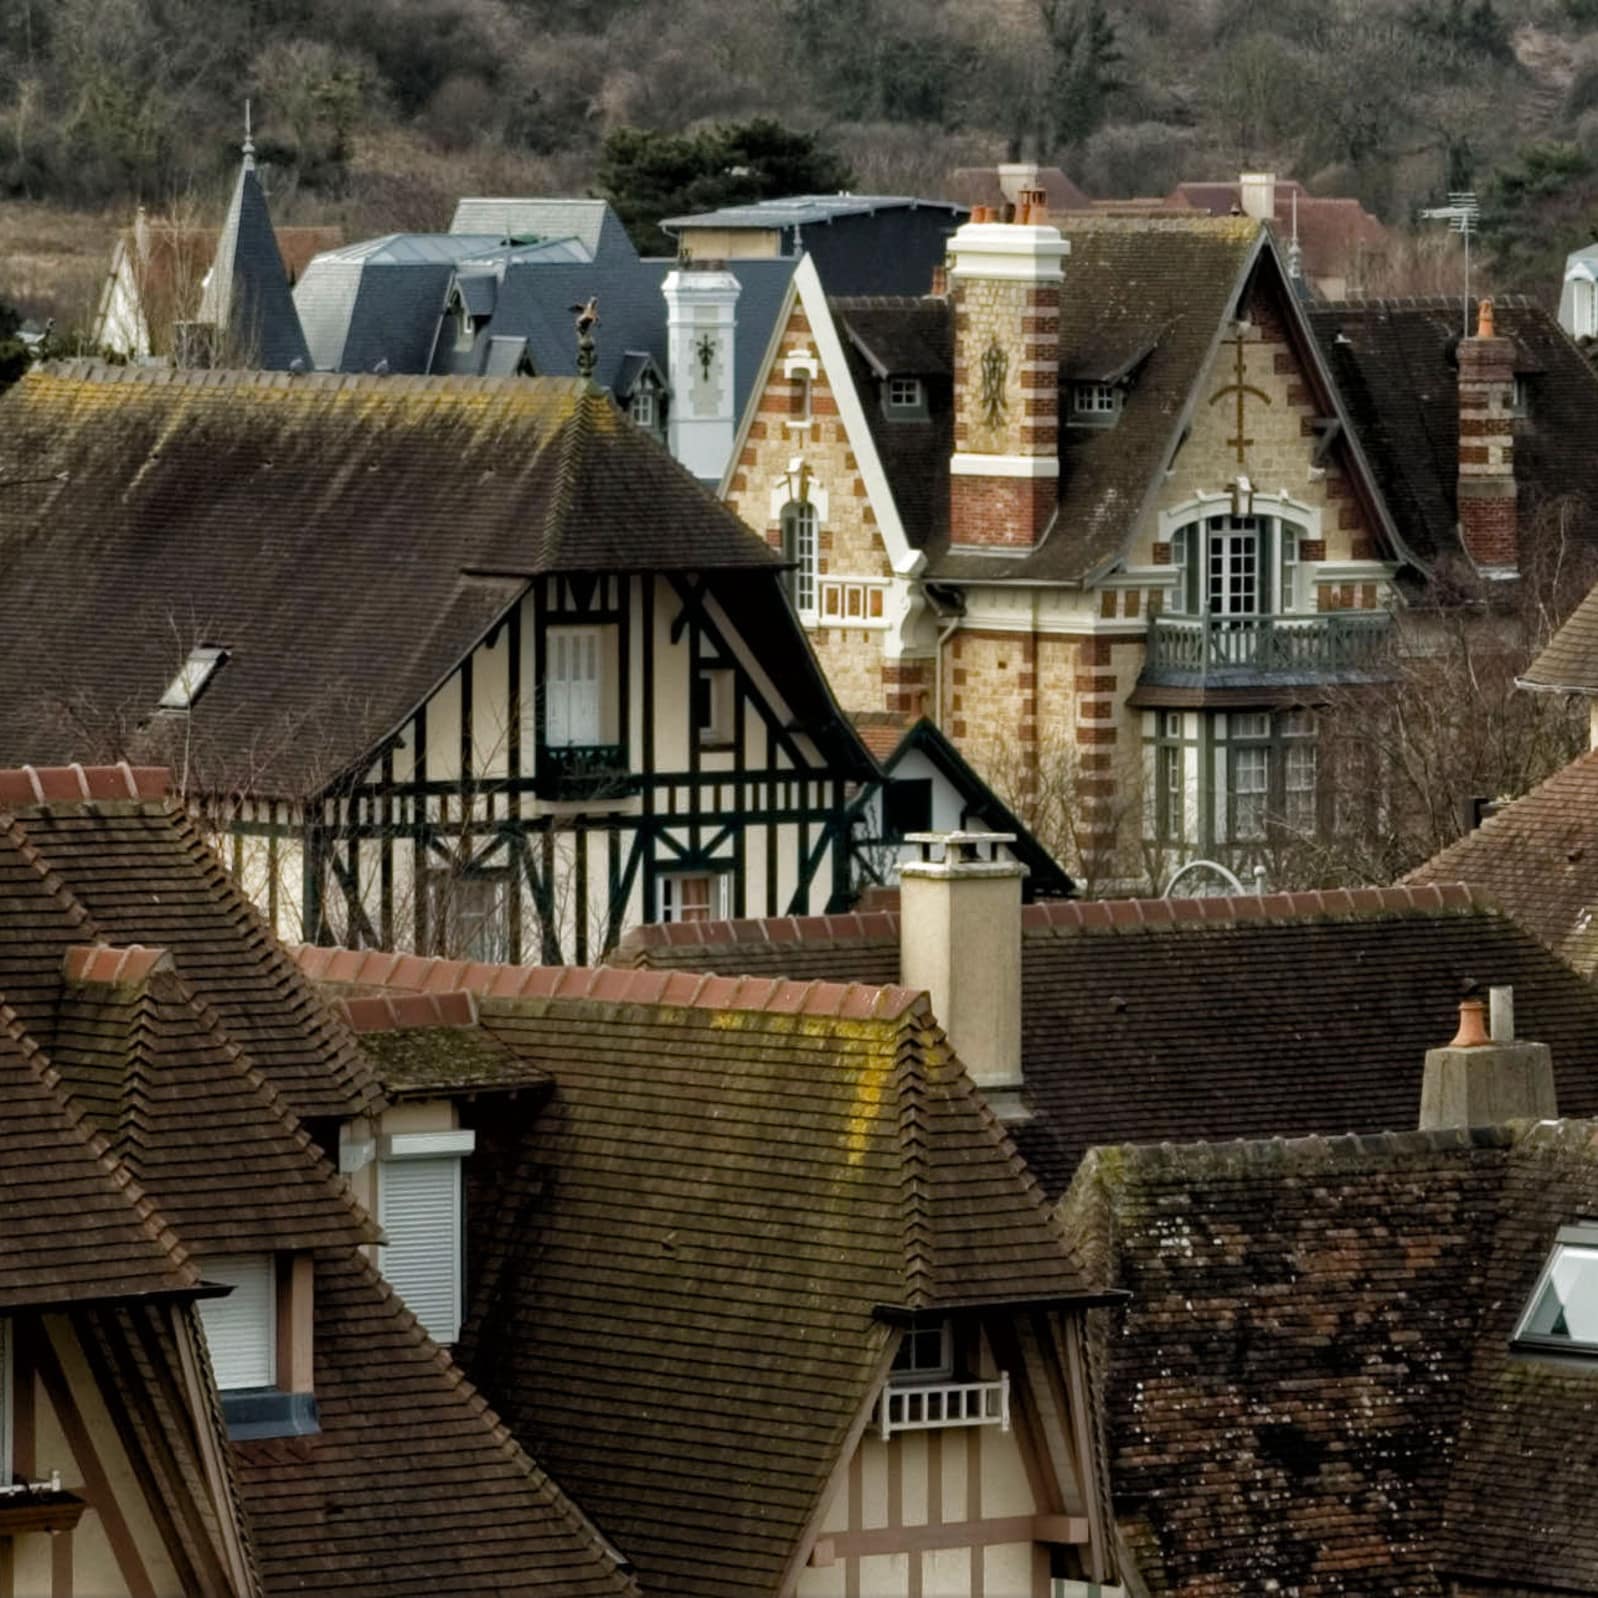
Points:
(1563, 1309)
(192, 679)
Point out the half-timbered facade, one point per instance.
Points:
(447, 664)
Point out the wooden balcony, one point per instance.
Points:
(936, 1405)
(1217, 651)
(583, 772)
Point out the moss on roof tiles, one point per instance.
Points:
(414, 1061)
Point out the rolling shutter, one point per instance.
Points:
(419, 1209)
(241, 1329)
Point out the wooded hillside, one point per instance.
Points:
(378, 113)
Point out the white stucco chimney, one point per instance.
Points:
(960, 939)
(701, 328)
(1257, 195)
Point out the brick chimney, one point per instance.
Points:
(960, 939)
(1488, 516)
(1484, 1078)
(1005, 283)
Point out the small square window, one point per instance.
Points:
(905, 394)
(926, 1353)
(1563, 1310)
(696, 896)
(1096, 401)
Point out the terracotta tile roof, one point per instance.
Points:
(1537, 859)
(197, 493)
(881, 731)
(1146, 1020)
(1569, 663)
(1312, 1384)
(1337, 235)
(1394, 364)
(154, 1071)
(78, 1227)
(680, 1292)
(138, 872)
(979, 185)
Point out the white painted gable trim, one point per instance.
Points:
(906, 562)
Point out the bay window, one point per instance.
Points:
(1237, 566)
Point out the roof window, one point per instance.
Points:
(193, 678)
(1562, 1313)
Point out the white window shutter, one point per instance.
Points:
(419, 1209)
(241, 1329)
(571, 688)
(557, 692)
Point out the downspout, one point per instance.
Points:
(950, 628)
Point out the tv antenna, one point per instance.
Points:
(1461, 214)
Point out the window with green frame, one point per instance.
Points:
(1238, 566)
(1271, 775)
(1170, 778)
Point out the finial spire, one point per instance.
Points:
(249, 143)
(1295, 250)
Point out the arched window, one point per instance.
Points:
(1238, 566)
(802, 545)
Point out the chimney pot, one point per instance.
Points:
(1484, 320)
(1472, 1034)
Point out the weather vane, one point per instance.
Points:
(1461, 214)
(587, 320)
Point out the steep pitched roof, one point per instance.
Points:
(1147, 1020)
(1312, 1384)
(683, 1293)
(164, 510)
(411, 1486)
(1395, 366)
(1569, 661)
(247, 294)
(1537, 859)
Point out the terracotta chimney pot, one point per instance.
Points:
(1472, 1033)
(1484, 320)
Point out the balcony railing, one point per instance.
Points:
(1244, 647)
(930, 1408)
(583, 771)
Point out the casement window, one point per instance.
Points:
(714, 707)
(422, 1210)
(1170, 779)
(572, 687)
(693, 896)
(926, 1352)
(1248, 790)
(641, 407)
(1292, 596)
(1562, 1312)
(1233, 567)
(468, 914)
(241, 1329)
(1272, 765)
(801, 544)
(1095, 404)
(1300, 793)
(193, 677)
(1238, 566)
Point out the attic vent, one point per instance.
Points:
(191, 681)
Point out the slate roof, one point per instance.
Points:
(247, 293)
(805, 210)
(1537, 859)
(163, 510)
(591, 222)
(1150, 293)
(411, 1486)
(681, 1295)
(1394, 364)
(1312, 1388)
(1156, 1019)
(1569, 660)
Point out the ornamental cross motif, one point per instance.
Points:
(1240, 441)
(995, 367)
(705, 349)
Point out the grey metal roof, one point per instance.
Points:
(802, 210)
(591, 221)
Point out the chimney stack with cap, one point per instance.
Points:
(1005, 282)
(960, 939)
(1484, 1078)
(1488, 516)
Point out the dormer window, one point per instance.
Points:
(465, 331)
(1095, 404)
(926, 1353)
(241, 1329)
(422, 1209)
(259, 1338)
(1562, 1314)
(904, 398)
(641, 407)
(193, 677)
